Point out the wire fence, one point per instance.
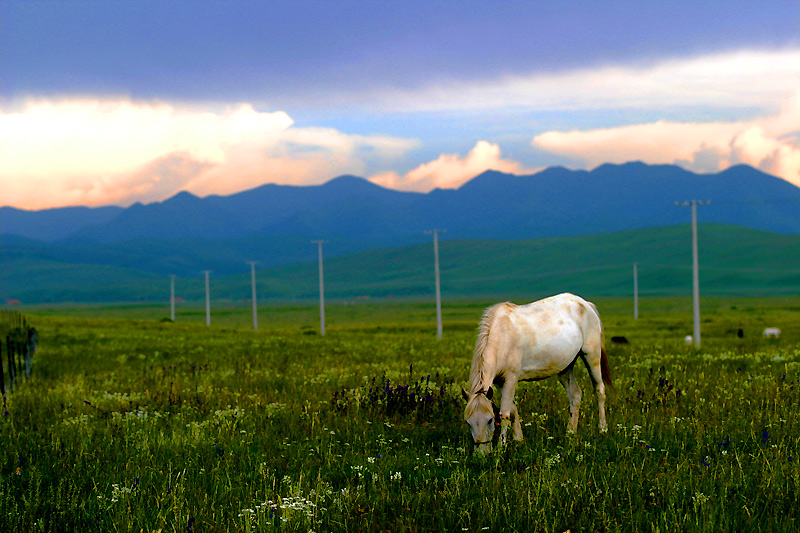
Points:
(21, 342)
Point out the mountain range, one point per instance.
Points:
(274, 224)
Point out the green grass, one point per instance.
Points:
(133, 424)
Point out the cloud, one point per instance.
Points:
(99, 152)
(653, 142)
(771, 143)
(739, 79)
(450, 171)
(299, 156)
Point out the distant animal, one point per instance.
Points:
(772, 332)
(740, 333)
(533, 342)
(619, 340)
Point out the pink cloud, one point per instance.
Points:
(771, 144)
(450, 171)
(99, 152)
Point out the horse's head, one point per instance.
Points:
(480, 415)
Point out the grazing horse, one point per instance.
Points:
(533, 342)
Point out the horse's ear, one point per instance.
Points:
(489, 393)
(465, 394)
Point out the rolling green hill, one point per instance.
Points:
(734, 261)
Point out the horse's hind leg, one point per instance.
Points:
(593, 366)
(567, 379)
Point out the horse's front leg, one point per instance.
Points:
(517, 424)
(509, 416)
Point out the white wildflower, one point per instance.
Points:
(552, 461)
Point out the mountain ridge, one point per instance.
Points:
(553, 202)
(275, 224)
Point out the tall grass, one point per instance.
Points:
(130, 425)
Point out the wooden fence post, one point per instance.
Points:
(26, 350)
(20, 357)
(2, 377)
(33, 344)
(20, 345)
(10, 351)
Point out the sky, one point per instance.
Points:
(112, 103)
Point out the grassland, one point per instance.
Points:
(132, 423)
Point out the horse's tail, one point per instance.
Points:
(605, 369)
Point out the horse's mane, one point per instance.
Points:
(479, 378)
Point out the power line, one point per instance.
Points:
(635, 291)
(321, 291)
(172, 297)
(208, 300)
(253, 282)
(695, 270)
(438, 287)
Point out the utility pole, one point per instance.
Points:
(635, 292)
(436, 272)
(172, 297)
(695, 270)
(321, 291)
(253, 280)
(208, 300)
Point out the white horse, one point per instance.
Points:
(533, 342)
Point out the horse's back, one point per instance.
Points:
(565, 306)
(555, 324)
(547, 334)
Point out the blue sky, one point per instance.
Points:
(115, 102)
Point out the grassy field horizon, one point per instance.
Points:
(413, 312)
